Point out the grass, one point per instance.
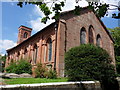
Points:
(33, 80)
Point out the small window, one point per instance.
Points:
(90, 33)
(83, 36)
(25, 35)
(49, 49)
(98, 41)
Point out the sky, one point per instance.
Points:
(12, 17)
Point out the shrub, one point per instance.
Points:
(43, 72)
(19, 67)
(11, 68)
(118, 64)
(51, 74)
(89, 62)
(40, 70)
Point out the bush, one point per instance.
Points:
(118, 64)
(11, 68)
(43, 72)
(19, 67)
(39, 71)
(51, 74)
(89, 62)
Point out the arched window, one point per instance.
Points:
(49, 49)
(35, 53)
(98, 41)
(18, 54)
(90, 33)
(83, 36)
(25, 53)
(25, 35)
(45, 46)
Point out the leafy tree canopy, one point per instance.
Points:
(99, 8)
(87, 62)
(116, 36)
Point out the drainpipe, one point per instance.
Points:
(56, 30)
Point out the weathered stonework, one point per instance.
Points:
(63, 37)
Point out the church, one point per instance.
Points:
(48, 46)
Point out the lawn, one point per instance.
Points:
(33, 80)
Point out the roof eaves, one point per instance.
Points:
(30, 37)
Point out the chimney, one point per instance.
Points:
(24, 33)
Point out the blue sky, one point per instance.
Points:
(14, 16)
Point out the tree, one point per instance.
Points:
(87, 62)
(116, 36)
(99, 8)
(2, 62)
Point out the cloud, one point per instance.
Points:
(6, 44)
(70, 4)
(12, 3)
(37, 11)
(111, 2)
(37, 25)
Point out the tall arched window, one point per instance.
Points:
(35, 53)
(98, 41)
(45, 47)
(25, 53)
(83, 36)
(49, 49)
(25, 35)
(18, 54)
(90, 33)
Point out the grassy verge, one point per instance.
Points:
(33, 80)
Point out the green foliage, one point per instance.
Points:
(116, 36)
(56, 6)
(89, 62)
(100, 9)
(51, 74)
(40, 70)
(43, 72)
(11, 68)
(2, 63)
(19, 67)
(77, 10)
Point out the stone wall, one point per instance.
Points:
(86, 85)
(83, 85)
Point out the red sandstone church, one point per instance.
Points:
(49, 45)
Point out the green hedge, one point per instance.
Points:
(19, 67)
(88, 62)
